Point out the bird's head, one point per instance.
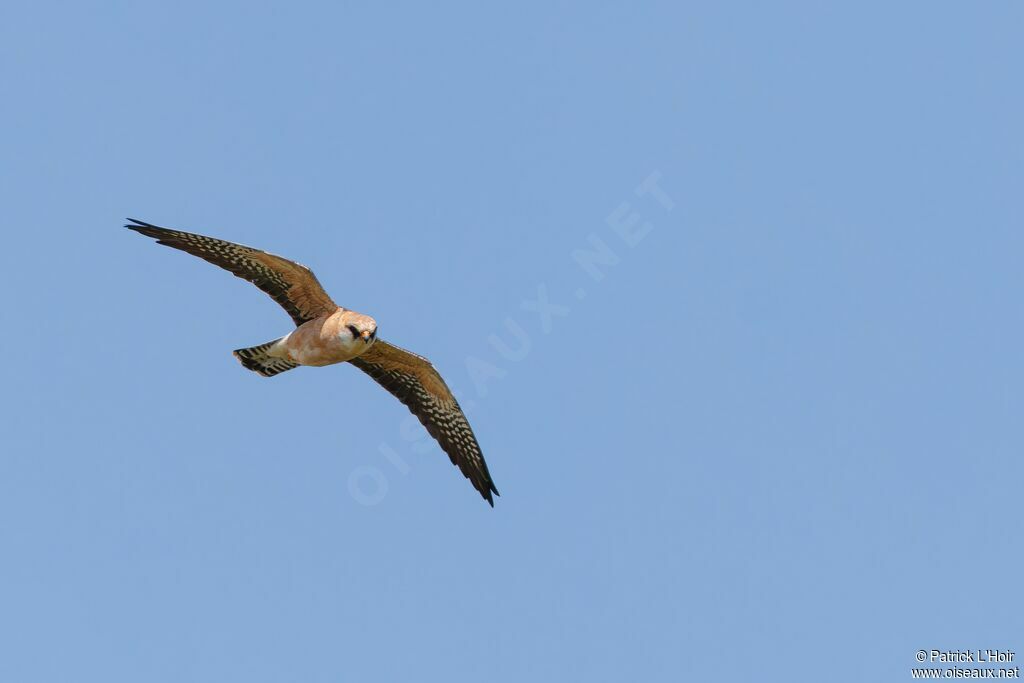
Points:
(358, 328)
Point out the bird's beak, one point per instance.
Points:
(365, 334)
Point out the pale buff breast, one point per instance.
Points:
(327, 340)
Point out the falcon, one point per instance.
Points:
(326, 333)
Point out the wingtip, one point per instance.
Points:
(136, 225)
(488, 497)
(149, 230)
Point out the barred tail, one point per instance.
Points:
(258, 359)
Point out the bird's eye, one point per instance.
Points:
(354, 331)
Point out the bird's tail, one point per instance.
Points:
(259, 359)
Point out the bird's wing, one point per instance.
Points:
(415, 382)
(290, 284)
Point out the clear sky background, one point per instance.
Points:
(779, 438)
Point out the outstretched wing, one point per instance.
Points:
(415, 382)
(290, 284)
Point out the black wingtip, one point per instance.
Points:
(487, 496)
(138, 226)
(150, 230)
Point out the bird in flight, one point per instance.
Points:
(327, 333)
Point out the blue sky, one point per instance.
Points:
(776, 435)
